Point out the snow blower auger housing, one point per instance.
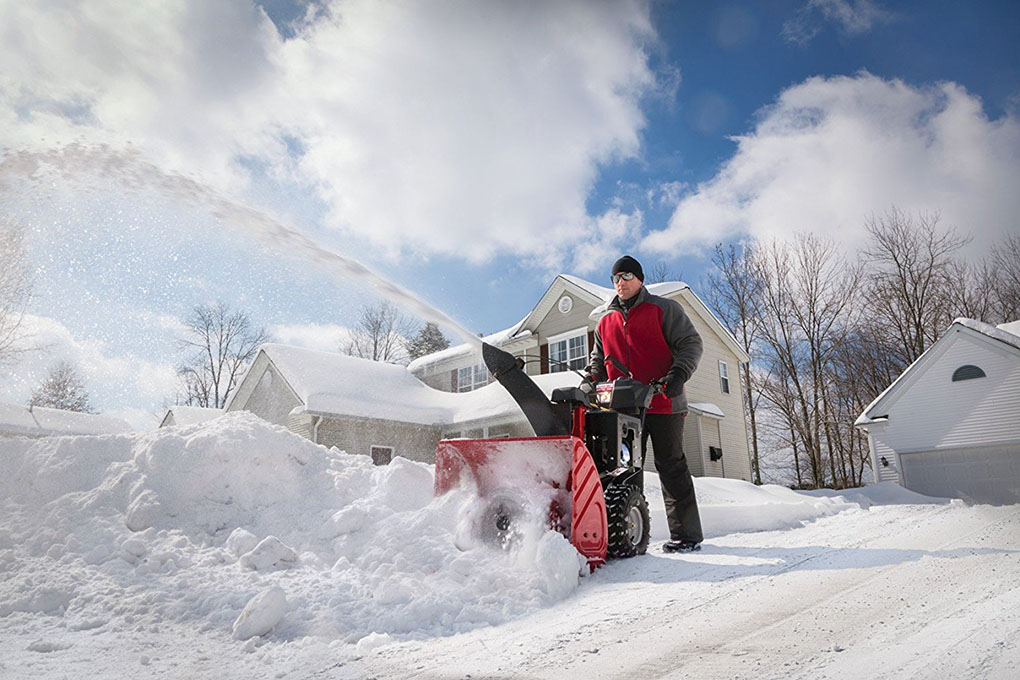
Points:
(586, 457)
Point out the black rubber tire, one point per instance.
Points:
(627, 516)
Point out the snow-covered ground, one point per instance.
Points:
(237, 549)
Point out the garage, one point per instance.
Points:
(983, 475)
(949, 425)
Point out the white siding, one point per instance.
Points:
(704, 386)
(933, 412)
(359, 435)
(272, 398)
(890, 472)
(711, 430)
(301, 424)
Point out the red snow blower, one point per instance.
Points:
(584, 465)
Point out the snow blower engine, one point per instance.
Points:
(581, 474)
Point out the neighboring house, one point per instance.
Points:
(37, 421)
(557, 335)
(372, 408)
(949, 425)
(188, 415)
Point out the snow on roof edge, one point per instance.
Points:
(43, 421)
(996, 332)
(707, 408)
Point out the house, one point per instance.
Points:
(37, 421)
(372, 408)
(949, 425)
(188, 415)
(557, 336)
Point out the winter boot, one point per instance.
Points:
(681, 546)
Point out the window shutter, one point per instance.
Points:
(453, 380)
(544, 358)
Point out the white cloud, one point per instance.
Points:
(456, 127)
(833, 151)
(604, 239)
(109, 379)
(321, 336)
(852, 17)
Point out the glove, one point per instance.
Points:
(588, 385)
(672, 388)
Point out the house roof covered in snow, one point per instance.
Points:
(1003, 333)
(189, 415)
(336, 384)
(38, 421)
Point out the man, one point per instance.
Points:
(653, 340)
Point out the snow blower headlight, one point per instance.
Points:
(604, 394)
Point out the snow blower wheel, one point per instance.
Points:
(627, 515)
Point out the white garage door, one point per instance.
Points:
(987, 475)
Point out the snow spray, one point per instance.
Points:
(132, 172)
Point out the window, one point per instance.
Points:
(472, 377)
(568, 351)
(967, 372)
(724, 377)
(382, 455)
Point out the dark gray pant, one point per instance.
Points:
(667, 433)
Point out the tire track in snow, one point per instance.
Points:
(838, 608)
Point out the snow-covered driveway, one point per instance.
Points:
(895, 591)
(235, 549)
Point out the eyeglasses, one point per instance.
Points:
(626, 276)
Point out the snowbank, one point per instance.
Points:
(730, 506)
(251, 529)
(244, 529)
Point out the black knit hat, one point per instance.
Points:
(629, 264)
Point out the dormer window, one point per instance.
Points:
(967, 372)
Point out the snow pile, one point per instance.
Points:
(250, 530)
(729, 506)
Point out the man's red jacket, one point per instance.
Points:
(653, 339)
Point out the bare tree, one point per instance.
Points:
(806, 298)
(15, 291)
(63, 388)
(974, 290)
(1006, 260)
(220, 345)
(380, 335)
(910, 281)
(734, 291)
(660, 273)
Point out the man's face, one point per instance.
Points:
(627, 289)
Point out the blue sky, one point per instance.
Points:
(468, 151)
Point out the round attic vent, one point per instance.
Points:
(565, 304)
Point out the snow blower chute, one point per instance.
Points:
(585, 462)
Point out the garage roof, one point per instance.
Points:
(875, 411)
